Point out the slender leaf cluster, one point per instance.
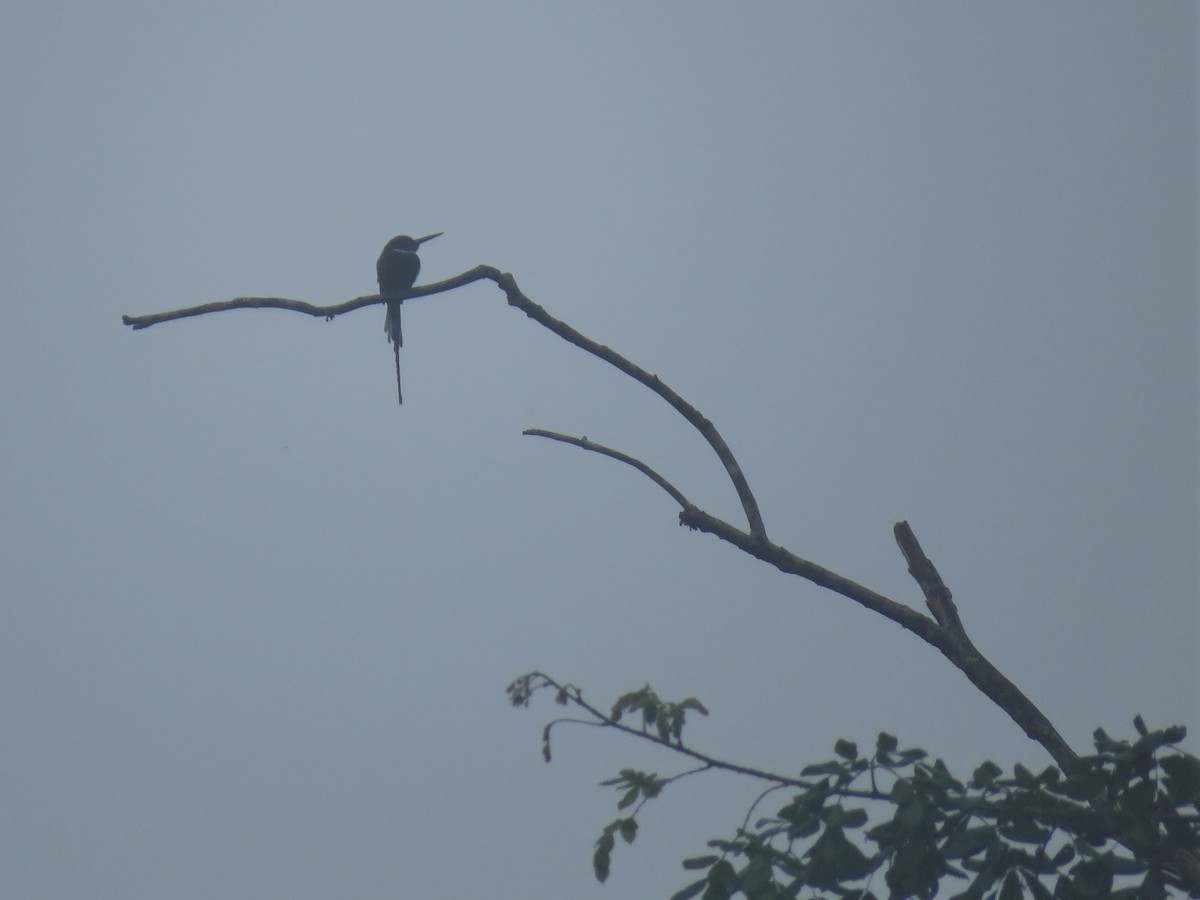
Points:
(665, 718)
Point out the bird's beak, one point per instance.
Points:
(429, 237)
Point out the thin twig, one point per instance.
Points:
(604, 721)
(585, 444)
(326, 312)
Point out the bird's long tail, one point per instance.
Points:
(391, 324)
(399, 392)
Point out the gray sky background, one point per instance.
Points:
(922, 261)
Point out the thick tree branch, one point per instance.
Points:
(946, 633)
(978, 669)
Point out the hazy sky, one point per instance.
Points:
(933, 262)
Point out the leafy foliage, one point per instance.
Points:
(667, 719)
(1106, 830)
(1114, 826)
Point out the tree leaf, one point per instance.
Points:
(1152, 886)
(629, 799)
(628, 829)
(910, 815)
(1065, 854)
(826, 768)
(1139, 798)
(755, 878)
(986, 773)
(687, 893)
(1024, 777)
(693, 703)
(1011, 889)
(1091, 878)
(854, 818)
(968, 842)
(1183, 778)
(1083, 786)
(1122, 865)
(601, 862)
(722, 874)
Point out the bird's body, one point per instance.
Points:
(396, 271)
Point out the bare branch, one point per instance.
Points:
(585, 444)
(604, 721)
(685, 409)
(962, 653)
(516, 298)
(326, 312)
(922, 569)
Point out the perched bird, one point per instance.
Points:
(397, 271)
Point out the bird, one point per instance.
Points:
(396, 271)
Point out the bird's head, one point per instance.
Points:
(404, 242)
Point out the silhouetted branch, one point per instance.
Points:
(585, 444)
(978, 669)
(685, 409)
(516, 298)
(922, 569)
(571, 694)
(326, 312)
